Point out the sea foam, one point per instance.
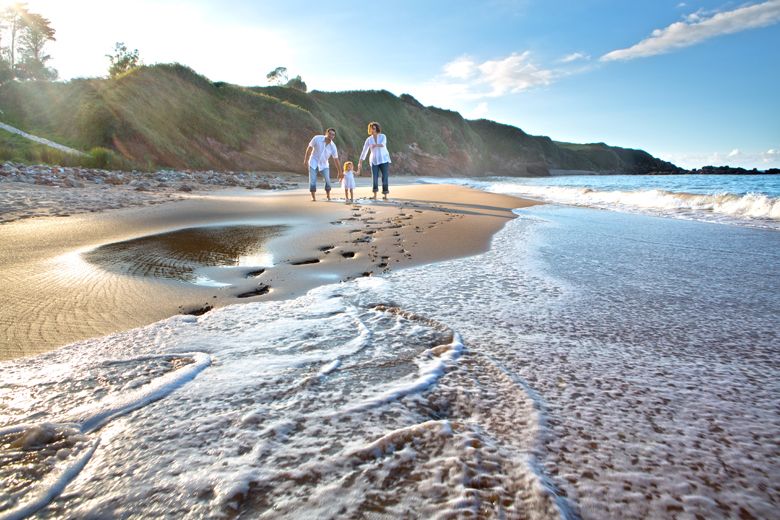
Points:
(292, 400)
(753, 209)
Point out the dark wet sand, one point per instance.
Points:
(57, 285)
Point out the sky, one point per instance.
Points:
(693, 82)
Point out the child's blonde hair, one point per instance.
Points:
(347, 165)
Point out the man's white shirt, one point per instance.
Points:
(322, 152)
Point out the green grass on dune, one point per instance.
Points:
(16, 148)
(168, 115)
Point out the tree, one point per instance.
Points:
(278, 76)
(15, 17)
(297, 83)
(37, 31)
(27, 33)
(6, 74)
(122, 60)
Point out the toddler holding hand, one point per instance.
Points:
(347, 178)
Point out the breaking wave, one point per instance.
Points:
(752, 209)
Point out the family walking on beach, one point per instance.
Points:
(322, 148)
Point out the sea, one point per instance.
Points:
(614, 354)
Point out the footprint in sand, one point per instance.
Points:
(255, 274)
(196, 310)
(348, 254)
(306, 261)
(259, 291)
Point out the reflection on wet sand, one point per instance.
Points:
(179, 254)
(89, 275)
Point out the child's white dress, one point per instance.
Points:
(348, 182)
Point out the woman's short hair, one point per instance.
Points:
(374, 124)
(347, 165)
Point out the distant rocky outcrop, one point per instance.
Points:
(730, 170)
(169, 116)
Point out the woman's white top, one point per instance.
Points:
(378, 147)
(348, 181)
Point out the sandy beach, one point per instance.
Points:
(64, 279)
(248, 352)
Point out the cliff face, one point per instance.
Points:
(167, 115)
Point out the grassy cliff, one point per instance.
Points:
(169, 116)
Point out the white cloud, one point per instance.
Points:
(696, 17)
(699, 27)
(465, 84)
(492, 78)
(736, 157)
(771, 156)
(465, 80)
(513, 74)
(461, 68)
(575, 56)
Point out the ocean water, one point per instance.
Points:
(747, 200)
(593, 364)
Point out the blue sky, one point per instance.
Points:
(695, 82)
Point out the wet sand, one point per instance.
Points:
(71, 278)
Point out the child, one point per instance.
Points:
(348, 181)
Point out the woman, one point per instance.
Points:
(379, 159)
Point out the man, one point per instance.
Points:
(321, 149)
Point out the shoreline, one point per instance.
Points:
(60, 298)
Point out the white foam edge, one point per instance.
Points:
(387, 442)
(52, 485)
(90, 417)
(93, 416)
(354, 345)
(429, 373)
(329, 367)
(737, 207)
(562, 504)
